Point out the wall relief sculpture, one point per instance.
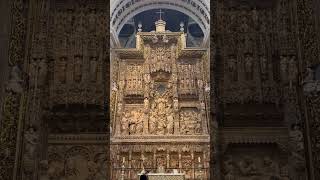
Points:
(190, 122)
(161, 116)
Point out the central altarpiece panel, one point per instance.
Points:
(160, 107)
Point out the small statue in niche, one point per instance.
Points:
(244, 28)
(292, 67)
(77, 69)
(43, 70)
(176, 104)
(296, 138)
(125, 124)
(264, 67)
(62, 72)
(31, 142)
(248, 67)
(232, 67)
(146, 103)
(93, 69)
(15, 80)
(32, 139)
(284, 67)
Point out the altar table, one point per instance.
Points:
(164, 176)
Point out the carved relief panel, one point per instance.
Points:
(187, 78)
(134, 79)
(132, 121)
(190, 121)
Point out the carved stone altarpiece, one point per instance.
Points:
(160, 113)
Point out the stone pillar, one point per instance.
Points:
(4, 46)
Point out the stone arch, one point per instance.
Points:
(123, 10)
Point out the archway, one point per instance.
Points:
(124, 10)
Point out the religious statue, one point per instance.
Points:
(77, 76)
(232, 66)
(62, 72)
(31, 143)
(125, 124)
(292, 67)
(93, 69)
(15, 80)
(32, 139)
(249, 67)
(284, 68)
(264, 67)
(43, 70)
(296, 138)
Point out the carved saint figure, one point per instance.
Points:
(93, 69)
(296, 138)
(284, 68)
(264, 66)
(15, 81)
(249, 67)
(232, 66)
(31, 143)
(62, 70)
(77, 76)
(125, 124)
(293, 70)
(43, 69)
(32, 140)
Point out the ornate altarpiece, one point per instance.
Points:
(160, 107)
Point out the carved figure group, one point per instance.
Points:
(190, 122)
(132, 122)
(161, 117)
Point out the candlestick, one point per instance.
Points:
(199, 159)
